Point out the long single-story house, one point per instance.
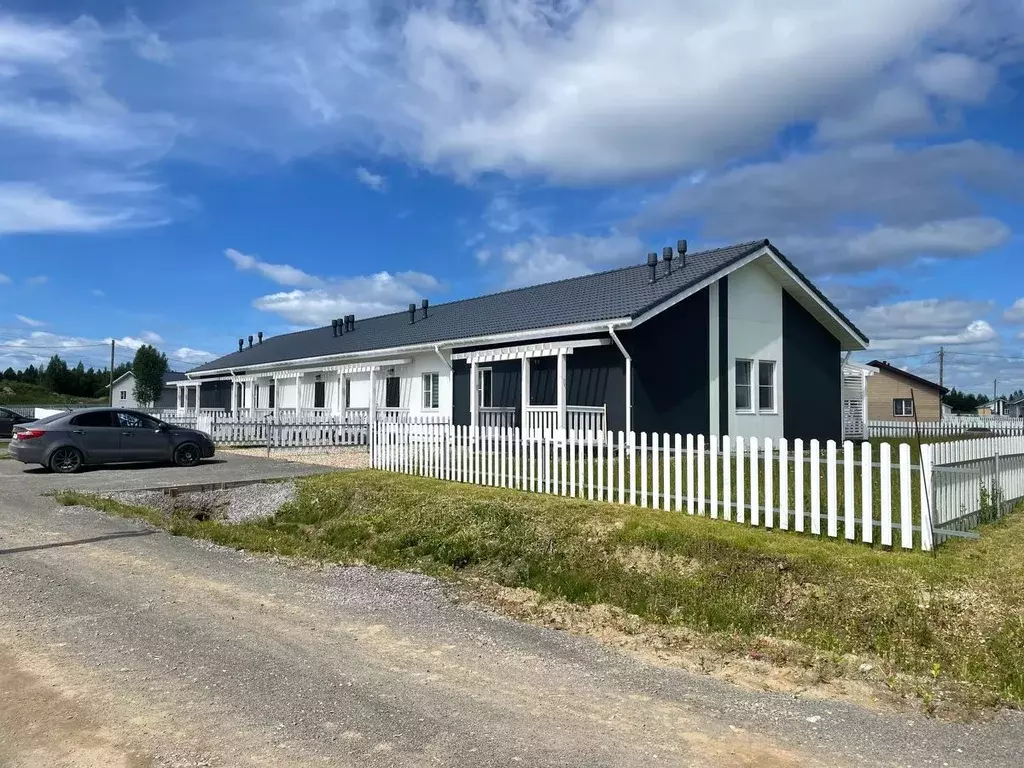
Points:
(898, 395)
(732, 340)
(124, 391)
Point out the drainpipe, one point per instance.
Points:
(451, 383)
(629, 379)
(437, 349)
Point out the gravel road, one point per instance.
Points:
(124, 646)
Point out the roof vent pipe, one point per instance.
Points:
(652, 265)
(341, 326)
(350, 322)
(666, 256)
(250, 342)
(681, 248)
(412, 313)
(241, 344)
(260, 336)
(334, 327)
(426, 306)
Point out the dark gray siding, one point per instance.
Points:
(723, 355)
(812, 376)
(670, 369)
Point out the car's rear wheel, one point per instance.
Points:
(66, 461)
(187, 455)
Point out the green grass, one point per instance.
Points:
(952, 619)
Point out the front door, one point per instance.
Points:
(392, 392)
(142, 439)
(98, 436)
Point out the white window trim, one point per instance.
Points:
(736, 384)
(435, 378)
(774, 410)
(905, 401)
(480, 389)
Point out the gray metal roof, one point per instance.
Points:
(618, 293)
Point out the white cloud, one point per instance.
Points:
(27, 208)
(37, 280)
(152, 338)
(283, 274)
(374, 181)
(542, 259)
(368, 296)
(4, 278)
(189, 356)
(30, 322)
(889, 112)
(98, 293)
(895, 246)
(926, 323)
(957, 77)
(1015, 313)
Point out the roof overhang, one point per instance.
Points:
(579, 329)
(794, 283)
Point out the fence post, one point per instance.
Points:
(997, 490)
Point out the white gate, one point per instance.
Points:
(855, 403)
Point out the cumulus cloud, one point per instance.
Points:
(1015, 313)
(374, 181)
(927, 323)
(368, 296)
(541, 259)
(283, 274)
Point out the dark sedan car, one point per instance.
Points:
(9, 420)
(68, 441)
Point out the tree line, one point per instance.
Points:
(962, 402)
(58, 377)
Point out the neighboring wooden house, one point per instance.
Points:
(998, 407)
(124, 392)
(733, 340)
(894, 393)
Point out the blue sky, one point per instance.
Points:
(189, 173)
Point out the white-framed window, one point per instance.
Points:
(431, 392)
(124, 394)
(484, 387)
(766, 386)
(902, 406)
(744, 386)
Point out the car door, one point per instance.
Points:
(142, 439)
(97, 435)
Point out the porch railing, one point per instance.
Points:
(581, 418)
(503, 418)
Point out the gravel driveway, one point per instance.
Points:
(124, 646)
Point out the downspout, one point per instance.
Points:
(629, 379)
(451, 385)
(437, 349)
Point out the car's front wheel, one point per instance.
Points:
(66, 461)
(187, 455)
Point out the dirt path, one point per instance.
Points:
(125, 648)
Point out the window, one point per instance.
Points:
(902, 406)
(319, 394)
(484, 387)
(129, 420)
(744, 399)
(271, 395)
(348, 393)
(431, 395)
(766, 385)
(94, 419)
(392, 392)
(124, 394)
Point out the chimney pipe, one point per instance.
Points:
(426, 306)
(241, 344)
(351, 322)
(666, 256)
(341, 326)
(250, 342)
(334, 326)
(681, 248)
(652, 265)
(260, 336)
(412, 313)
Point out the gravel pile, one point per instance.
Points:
(232, 505)
(338, 458)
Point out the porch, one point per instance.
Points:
(501, 392)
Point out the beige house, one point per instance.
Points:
(895, 395)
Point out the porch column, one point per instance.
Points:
(181, 398)
(339, 398)
(474, 397)
(562, 395)
(277, 398)
(298, 394)
(198, 388)
(373, 396)
(525, 390)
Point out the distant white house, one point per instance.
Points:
(124, 391)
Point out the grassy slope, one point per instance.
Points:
(19, 393)
(953, 618)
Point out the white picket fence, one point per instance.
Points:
(948, 427)
(975, 478)
(831, 490)
(276, 434)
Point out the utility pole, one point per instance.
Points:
(942, 371)
(995, 405)
(111, 373)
